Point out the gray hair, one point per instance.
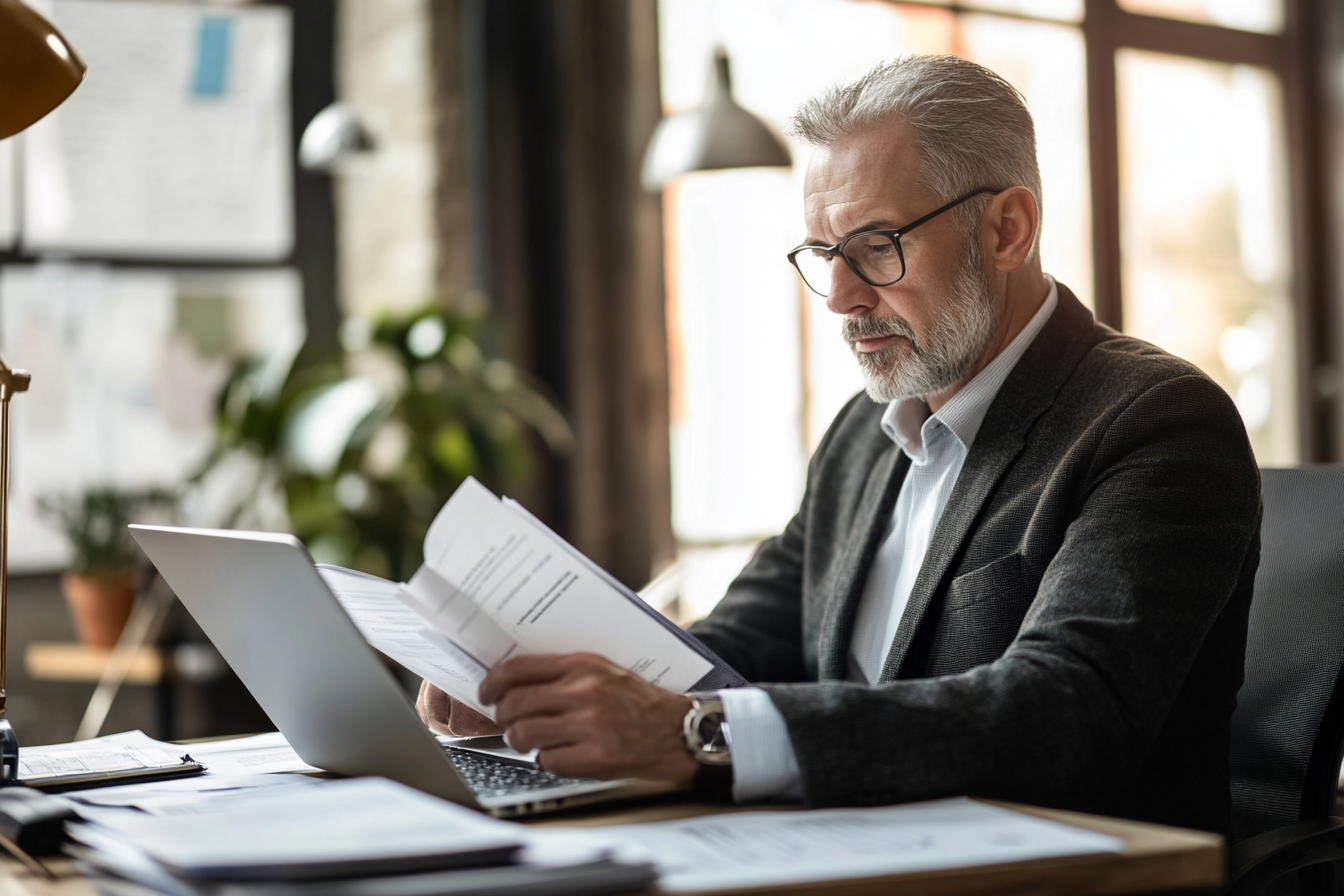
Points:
(973, 127)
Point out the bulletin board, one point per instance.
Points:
(177, 144)
(154, 231)
(127, 363)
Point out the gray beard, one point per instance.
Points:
(957, 338)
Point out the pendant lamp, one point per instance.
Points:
(38, 70)
(719, 134)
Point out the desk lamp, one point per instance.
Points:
(38, 70)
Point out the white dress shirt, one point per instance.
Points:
(764, 764)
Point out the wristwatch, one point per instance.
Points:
(706, 731)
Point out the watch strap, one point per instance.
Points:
(714, 780)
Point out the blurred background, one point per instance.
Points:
(305, 265)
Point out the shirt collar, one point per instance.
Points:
(907, 422)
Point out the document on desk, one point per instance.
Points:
(497, 583)
(93, 763)
(767, 849)
(292, 840)
(253, 755)
(250, 755)
(181, 796)
(355, 826)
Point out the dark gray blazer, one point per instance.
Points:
(1076, 634)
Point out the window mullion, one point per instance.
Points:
(1103, 152)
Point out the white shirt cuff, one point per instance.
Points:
(764, 764)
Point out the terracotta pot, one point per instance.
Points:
(100, 605)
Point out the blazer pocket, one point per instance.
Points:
(999, 582)
(981, 616)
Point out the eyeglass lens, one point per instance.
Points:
(875, 257)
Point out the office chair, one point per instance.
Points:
(1288, 728)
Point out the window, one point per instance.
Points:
(1162, 130)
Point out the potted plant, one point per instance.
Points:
(100, 585)
(366, 444)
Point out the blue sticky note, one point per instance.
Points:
(212, 57)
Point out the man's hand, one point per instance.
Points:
(448, 716)
(590, 718)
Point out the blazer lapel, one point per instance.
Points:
(1024, 396)
(867, 529)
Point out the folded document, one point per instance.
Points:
(496, 583)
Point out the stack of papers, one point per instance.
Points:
(237, 832)
(359, 835)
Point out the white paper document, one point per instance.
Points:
(182, 796)
(389, 625)
(496, 583)
(764, 849)
(251, 755)
(361, 819)
(258, 754)
(118, 741)
(36, 767)
(112, 755)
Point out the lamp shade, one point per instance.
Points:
(38, 69)
(334, 137)
(719, 134)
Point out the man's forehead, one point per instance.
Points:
(876, 172)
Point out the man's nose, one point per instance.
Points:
(849, 293)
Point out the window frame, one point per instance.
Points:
(1107, 29)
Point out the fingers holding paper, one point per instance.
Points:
(448, 716)
(589, 717)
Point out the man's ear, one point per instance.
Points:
(1013, 216)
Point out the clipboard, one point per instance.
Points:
(88, 778)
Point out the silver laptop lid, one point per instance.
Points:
(259, 599)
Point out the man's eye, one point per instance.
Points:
(872, 250)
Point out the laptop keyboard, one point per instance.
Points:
(489, 777)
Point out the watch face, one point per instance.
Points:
(710, 732)
(706, 731)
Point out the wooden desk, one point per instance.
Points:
(1154, 859)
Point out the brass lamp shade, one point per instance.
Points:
(38, 68)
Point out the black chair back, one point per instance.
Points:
(1288, 729)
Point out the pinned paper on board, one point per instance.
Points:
(127, 364)
(178, 143)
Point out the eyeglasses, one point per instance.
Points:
(875, 255)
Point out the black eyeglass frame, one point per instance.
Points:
(893, 235)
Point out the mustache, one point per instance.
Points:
(871, 326)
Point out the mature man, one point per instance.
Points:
(1021, 570)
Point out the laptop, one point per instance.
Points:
(261, 601)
